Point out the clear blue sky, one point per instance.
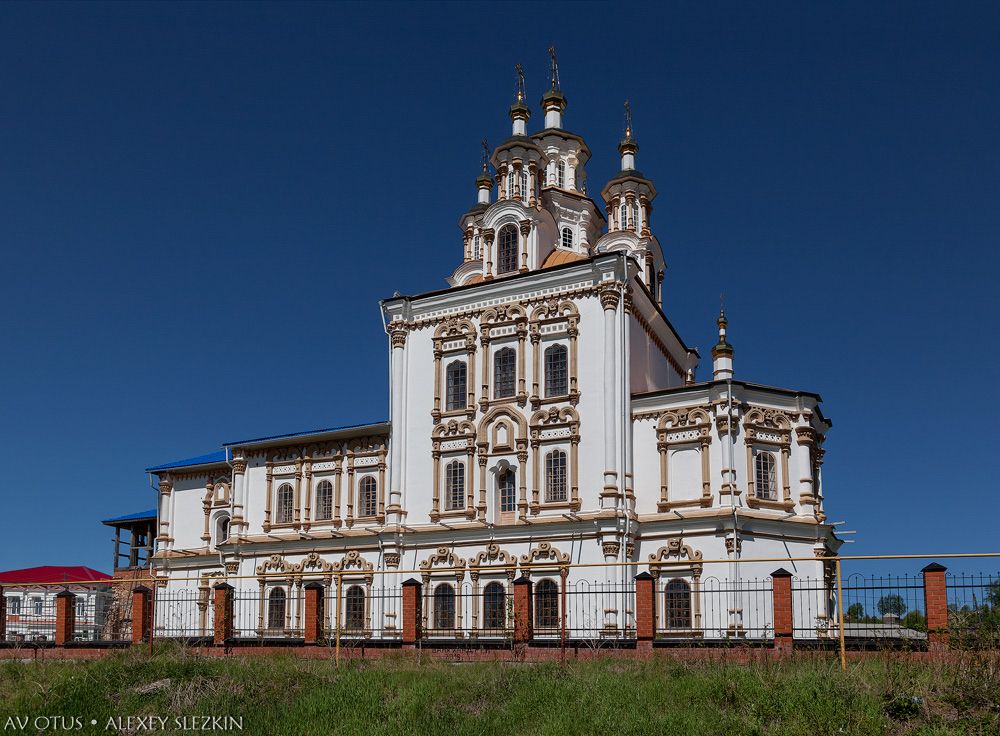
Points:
(200, 206)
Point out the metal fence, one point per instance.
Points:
(884, 608)
(584, 604)
(115, 616)
(732, 610)
(974, 610)
(361, 612)
(596, 610)
(182, 613)
(31, 617)
(101, 617)
(877, 610)
(467, 611)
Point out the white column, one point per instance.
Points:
(627, 398)
(397, 334)
(164, 506)
(171, 504)
(239, 499)
(609, 301)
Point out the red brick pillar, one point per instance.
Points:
(645, 610)
(315, 606)
(223, 604)
(523, 610)
(3, 617)
(142, 614)
(781, 590)
(936, 605)
(65, 617)
(412, 596)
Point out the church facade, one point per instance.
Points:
(545, 420)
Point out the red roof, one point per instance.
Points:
(54, 574)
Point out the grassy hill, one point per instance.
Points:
(285, 695)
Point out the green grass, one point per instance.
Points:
(611, 697)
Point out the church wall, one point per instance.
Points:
(188, 512)
(646, 464)
(591, 406)
(649, 370)
(418, 468)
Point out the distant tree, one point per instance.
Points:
(892, 604)
(993, 595)
(855, 612)
(915, 620)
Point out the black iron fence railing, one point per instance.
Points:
(683, 602)
(31, 617)
(973, 610)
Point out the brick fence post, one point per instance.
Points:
(936, 605)
(223, 605)
(781, 592)
(645, 610)
(315, 599)
(523, 618)
(3, 617)
(142, 614)
(412, 595)
(65, 617)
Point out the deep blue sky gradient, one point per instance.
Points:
(200, 206)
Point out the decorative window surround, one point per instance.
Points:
(684, 426)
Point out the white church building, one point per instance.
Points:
(544, 412)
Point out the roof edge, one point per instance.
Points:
(277, 438)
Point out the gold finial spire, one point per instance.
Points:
(722, 352)
(519, 70)
(555, 67)
(483, 181)
(628, 119)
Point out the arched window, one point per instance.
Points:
(504, 373)
(354, 608)
(455, 394)
(494, 607)
(507, 485)
(476, 248)
(285, 504)
(556, 373)
(367, 496)
(324, 500)
(455, 486)
(524, 186)
(222, 530)
(276, 609)
(510, 184)
(444, 607)
(555, 476)
(622, 217)
(561, 174)
(567, 238)
(507, 249)
(767, 482)
(678, 605)
(546, 605)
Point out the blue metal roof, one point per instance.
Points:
(151, 514)
(219, 456)
(301, 434)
